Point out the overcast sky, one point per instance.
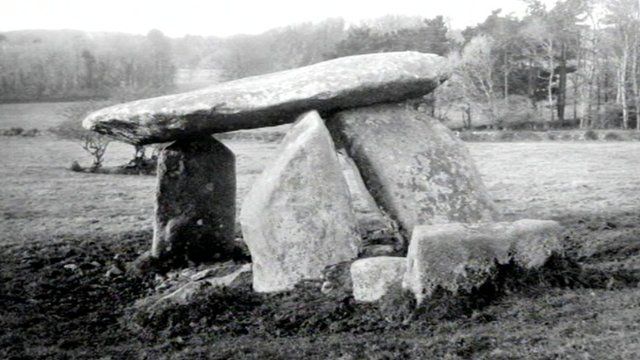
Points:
(226, 17)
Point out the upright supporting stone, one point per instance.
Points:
(195, 202)
(297, 219)
(414, 167)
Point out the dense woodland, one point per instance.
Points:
(572, 65)
(69, 65)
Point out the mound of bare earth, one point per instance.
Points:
(57, 302)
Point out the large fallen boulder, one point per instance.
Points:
(414, 167)
(297, 218)
(373, 277)
(195, 202)
(459, 258)
(273, 99)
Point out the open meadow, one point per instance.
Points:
(52, 217)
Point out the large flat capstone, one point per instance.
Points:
(297, 219)
(414, 167)
(275, 98)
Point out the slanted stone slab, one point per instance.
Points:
(374, 225)
(414, 167)
(297, 218)
(462, 257)
(373, 277)
(275, 98)
(195, 202)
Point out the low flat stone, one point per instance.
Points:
(373, 277)
(275, 98)
(462, 257)
(416, 169)
(297, 219)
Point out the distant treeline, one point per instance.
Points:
(67, 64)
(575, 64)
(572, 65)
(307, 43)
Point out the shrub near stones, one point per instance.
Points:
(611, 136)
(590, 135)
(18, 131)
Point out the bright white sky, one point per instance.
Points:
(226, 17)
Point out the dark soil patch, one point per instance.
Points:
(602, 238)
(56, 302)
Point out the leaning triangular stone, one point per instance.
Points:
(297, 218)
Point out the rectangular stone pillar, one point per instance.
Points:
(195, 202)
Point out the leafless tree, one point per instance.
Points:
(71, 129)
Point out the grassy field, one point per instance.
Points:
(32, 115)
(52, 217)
(40, 197)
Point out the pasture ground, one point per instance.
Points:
(52, 217)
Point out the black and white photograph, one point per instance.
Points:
(283, 179)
